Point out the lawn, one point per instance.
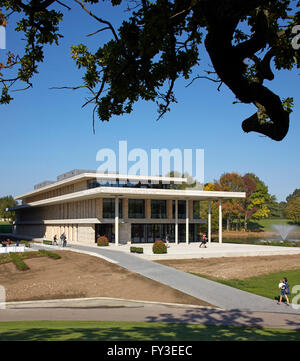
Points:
(264, 285)
(136, 331)
(266, 224)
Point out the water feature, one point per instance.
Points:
(283, 229)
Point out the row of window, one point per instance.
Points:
(136, 208)
(93, 183)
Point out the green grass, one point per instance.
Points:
(18, 258)
(266, 224)
(264, 285)
(136, 331)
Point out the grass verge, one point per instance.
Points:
(264, 285)
(136, 331)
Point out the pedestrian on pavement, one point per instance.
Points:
(284, 291)
(204, 240)
(55, 240)
(64, 240)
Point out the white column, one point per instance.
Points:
(187, 222)
(209, 222)
(117, 221)
(220, 221)
(176, 221)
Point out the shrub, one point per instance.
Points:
(102, 241)
(159, 247)
(47, 242)
(136, 250)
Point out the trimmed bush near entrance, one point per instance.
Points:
(102, 241)
(159, 247)
(136, 250)
(45, 241)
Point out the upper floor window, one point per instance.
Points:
(109, 208)
(136, 208)
(158, 209)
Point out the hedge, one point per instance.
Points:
(136, 250)
(47, 242)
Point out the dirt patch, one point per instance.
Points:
(236, 267)
(79, 275)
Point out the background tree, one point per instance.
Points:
(7, 202)
(258, 200)
(295, 194)
(161, 41)
(232, 208)
(292, 210)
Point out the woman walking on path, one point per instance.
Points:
(284, 291)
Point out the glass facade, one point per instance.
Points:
(158, 209)
(136, 208)
(109, 208)
(94, 183)
(181, 209)
(196, 209)
(149, 233)
(105, 230)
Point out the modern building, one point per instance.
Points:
(135, 209)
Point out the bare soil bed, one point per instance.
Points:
(236, 267)
(78, 275)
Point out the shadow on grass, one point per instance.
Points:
(192, 325)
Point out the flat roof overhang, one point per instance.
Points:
(101, 176)
(135, 193)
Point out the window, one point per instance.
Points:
(158, 209)
(136, 208)
(196, 209)
(109, 208)
(181, 209)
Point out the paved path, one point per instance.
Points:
(222, 296)
(106, 309)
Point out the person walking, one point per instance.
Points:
(284, 291)
(204, 240)
(55, 240)
(64, 240)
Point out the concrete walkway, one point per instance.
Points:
(217, 294)
(108, 309)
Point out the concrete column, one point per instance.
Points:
(125, 208)
(191, 209)
(220, 221)
(148, 209)
(176, 221)
(187, 222)
(209, 222)
(100, 208)
(169, 209)
(116, 221)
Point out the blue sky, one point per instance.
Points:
(45, 132)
